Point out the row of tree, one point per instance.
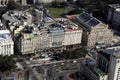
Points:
(77, 53)
(57, 4)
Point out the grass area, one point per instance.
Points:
(58, 12)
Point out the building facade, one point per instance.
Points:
(94, 31)
(91, 72)
(47, 1)
(6, 42)
(33, 38)
(114, 16)
(114, 71)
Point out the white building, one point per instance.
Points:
(114, 69)
(6, 43)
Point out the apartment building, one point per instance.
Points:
(94, 31)
(114, 15)
(6, 42)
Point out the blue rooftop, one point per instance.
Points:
(85, 17)
(88, 19)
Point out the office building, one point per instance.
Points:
(114, 15)
(108, 62)
(91, 72)
(114, 69)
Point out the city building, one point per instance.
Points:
(4, 3)
(48, 35)
(91, 72)
(16, 16)
(108, 62)
(94, 31)
(103, 60)
(46, 1)
(6, 42)
(15, 20)
(114, 69)
(114, 15)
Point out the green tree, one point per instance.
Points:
(77, 53)
(12, 5)
(6, 63)
(2, 11)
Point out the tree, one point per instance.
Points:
(2, 11)
(55, 4)
(12, 5)
(77, 53)
(6, 63)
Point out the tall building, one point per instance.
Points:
(91, 72)
(108, 61)
(94, 31)
(114, 69)
(114, 15)
(6, 42)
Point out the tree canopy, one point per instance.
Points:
(7, 63)
(12, 5)
(77, 53)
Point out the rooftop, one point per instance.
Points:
(61, 25)
(5, 34)
(106, 53)
(88, 19)
(115, 6)
(16, 16)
